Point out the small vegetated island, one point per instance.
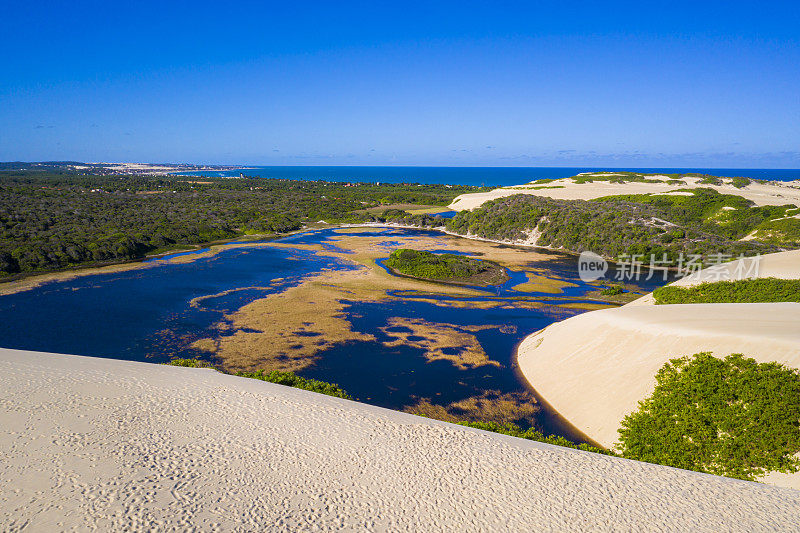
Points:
(447, 268)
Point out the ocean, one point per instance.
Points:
(483, 176)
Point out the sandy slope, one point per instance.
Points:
(772, 193)
(783, 265)
(95, 443)
(595, 367)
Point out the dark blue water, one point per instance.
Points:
(488, 176)
(398, 376)
(145, 315)
(148, 315)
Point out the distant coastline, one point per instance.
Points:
(487, 176)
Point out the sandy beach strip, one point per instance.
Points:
(93, 443)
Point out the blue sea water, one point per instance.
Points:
(480, 176)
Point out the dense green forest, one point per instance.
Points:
(739, 291)
(731, 417)
(55, 219)
(704, 222)
(50, 221)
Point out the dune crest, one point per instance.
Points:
(108, 444)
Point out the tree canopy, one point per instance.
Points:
(50, 221)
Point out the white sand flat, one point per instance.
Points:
(771, 193)
(110, 445)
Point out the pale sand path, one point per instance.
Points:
(109, 445)
(594, 368)
(772, 193)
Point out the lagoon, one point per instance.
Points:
(152, 314)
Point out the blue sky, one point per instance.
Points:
(619, 84)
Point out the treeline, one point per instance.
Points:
(53, 221)
(617, 225)
(289, 379)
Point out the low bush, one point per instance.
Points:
(532, 434)
(731, 417)
(710, 180)
(782, 231)
(290, 379)
(611, 291)
(191, 363)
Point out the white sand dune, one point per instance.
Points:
(594, 368)
(110, 445)
(771, 193)
(782, 265)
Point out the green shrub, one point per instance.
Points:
(732, 417)
(784, 231)
(532, 434)
(739, 291)
(710, 180)
(191, 363)
(290, 379)
(611, 291)
(740, 182)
